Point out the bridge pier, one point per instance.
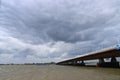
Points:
(74, 62)
(112, 64)
(80, 63)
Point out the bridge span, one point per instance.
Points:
(97, 55)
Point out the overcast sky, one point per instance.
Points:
(54, 30)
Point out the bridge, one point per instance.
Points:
(100, 55)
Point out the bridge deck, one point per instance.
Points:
(105, 53)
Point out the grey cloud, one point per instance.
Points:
(69, 28)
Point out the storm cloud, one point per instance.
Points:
(47, 30)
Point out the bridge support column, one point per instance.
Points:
(113, 63)
(81, 63)
(101, 60)
(113, 59)
(74, 62)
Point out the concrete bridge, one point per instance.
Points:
(100, 55)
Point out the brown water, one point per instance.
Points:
(55, 72)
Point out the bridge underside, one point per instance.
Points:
(101, 55)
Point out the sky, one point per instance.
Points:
(54, 30)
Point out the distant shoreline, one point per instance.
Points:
(31, 63)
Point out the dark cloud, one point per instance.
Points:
(35, 31)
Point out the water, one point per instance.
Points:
(55, 72)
